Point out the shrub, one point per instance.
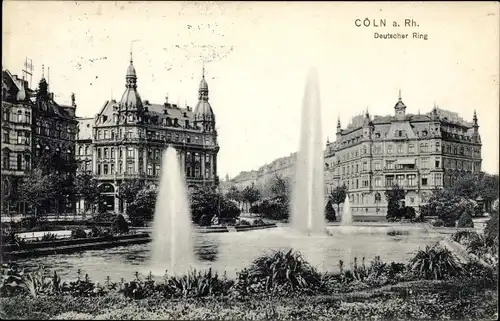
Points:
(465, 220)
(437, 223)
(119, 224)
(408, 212)
(12, 277)
(205, 220)
(491, 228)
(78, 234)
(330, 214)
(196, 284)
(49, 237)
(434, 262)
(258, 222)
(244, 222)
(279, 272)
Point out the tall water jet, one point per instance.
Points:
(346, 219)
(307, 206)
(172, 244)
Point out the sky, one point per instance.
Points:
(257, 56)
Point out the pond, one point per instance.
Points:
(233, 251)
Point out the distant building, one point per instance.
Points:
(283, 167)
(416, 152)
(33, 126)
(125, 140)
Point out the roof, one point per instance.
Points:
(155, 112)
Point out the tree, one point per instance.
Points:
(234, 194)
(228, 209)
(330, 212)
(447, 206)
(128, 190)
(119, 225)
(143, 207)
(394, 196)
(250, 194)
(38, 189)
(204, 201)
(86, 188)
(337, 195)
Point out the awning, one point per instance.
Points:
(406, 161)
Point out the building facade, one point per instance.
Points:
(368, 156)
(34, 126)
(126, 139)
(416, 152)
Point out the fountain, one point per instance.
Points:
(172, 231)
(307, 206)
(346, 219)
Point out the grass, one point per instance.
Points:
(419, 300)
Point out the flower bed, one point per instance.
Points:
(278, 286)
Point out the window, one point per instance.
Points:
(389, 149)
(365, 166)
(423, 147)
(112, 153)
(130, 168)
(98, 153)
(20, 138)
(400, 133)
(378, 198)
(357, 168)
(27, 116)
(112, 168)
(6, 115)
(389, 164)
(20, 118)
(105, 169)
(364, 150)
(425, 163)
(438, 162)
(80, 150)
(120, 166)
(106, 153)
(27, 159)
(400, 148)
(106, 134)
(461, 150)
(377, 182)
(411, 180)
(6, 159)
(389, 180)
(377, 166)
(438, 179)
(99, 134)
(19, 162)
(424, 181)
(98, 169)
(411, 149)
(438, 146)
(130, 153)
(365, 183)
(86, 150)
(400, 179)
(5, 136)
(28, 138)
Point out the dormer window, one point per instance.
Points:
(377, 135)
(186, 123)
(176, 122)
(424, 133)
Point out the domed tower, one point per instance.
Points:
(400, 108)
(203, 113)
(130, 105)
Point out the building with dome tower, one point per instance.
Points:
(126, 139)
(416, 152)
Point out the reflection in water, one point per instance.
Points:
(206, 250)
(232, 252)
